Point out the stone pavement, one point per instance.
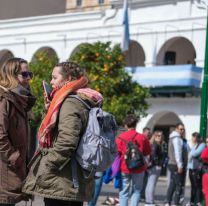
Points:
(108, 190)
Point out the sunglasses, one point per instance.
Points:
(27, 74)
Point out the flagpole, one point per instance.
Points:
(204, 91)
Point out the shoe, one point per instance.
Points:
(111, 201)
(167, 204)
(149, 204)
(116, 200)
(106, 202)
(190, 204)
(181, 200)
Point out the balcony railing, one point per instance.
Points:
(167, 76)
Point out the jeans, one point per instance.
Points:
(7, 204)
(153, 175)
(55, 202)
(176, 185)
(135, 181)
(98, 186)
(144, 185)
(196, 186)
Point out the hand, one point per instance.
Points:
(46, 102)
(180, 170)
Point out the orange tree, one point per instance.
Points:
(105, 68)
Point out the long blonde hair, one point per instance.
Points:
(155, 133)
(9, 72)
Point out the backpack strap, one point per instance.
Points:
(132, 139)
(81, 100)
(73, 160)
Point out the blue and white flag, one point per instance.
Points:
(125, 35)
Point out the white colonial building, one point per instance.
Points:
(166, 52)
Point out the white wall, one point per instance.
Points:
(150, 26)
(187, 110)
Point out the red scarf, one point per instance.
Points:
(48, 123)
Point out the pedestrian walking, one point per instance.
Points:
(178, 155)
(52, 172)
(15, 102)
(146, 131)
(130, 176)
(97, 189)
(195, 170)
(154, 167)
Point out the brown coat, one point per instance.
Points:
(50, 175)
(13, 146)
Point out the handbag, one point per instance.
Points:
(116, 166)
(197, 162)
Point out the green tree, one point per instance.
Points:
(105, 68)
(42, 69)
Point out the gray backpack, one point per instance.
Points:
(97, 147)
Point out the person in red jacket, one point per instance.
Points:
(133, 177)
(204, 158)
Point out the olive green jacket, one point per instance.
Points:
(50, 173)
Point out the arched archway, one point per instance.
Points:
(48, 51)
(5, 55)
(165, 121)
(177, 50)
(135, 56)
(77, 49)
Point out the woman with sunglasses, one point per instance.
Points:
(52, 168)
(15, 102)
(25, 75)
(155, 166)
(24, 78)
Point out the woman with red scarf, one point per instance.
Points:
(51, 174)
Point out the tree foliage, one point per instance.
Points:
(105, 68)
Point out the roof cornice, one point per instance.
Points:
(143, 3)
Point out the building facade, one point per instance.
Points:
(167, 39)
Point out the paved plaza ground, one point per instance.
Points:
(108, 190)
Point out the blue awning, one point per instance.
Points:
(167, 75)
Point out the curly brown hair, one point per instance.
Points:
(71, 69)
(131, 121)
